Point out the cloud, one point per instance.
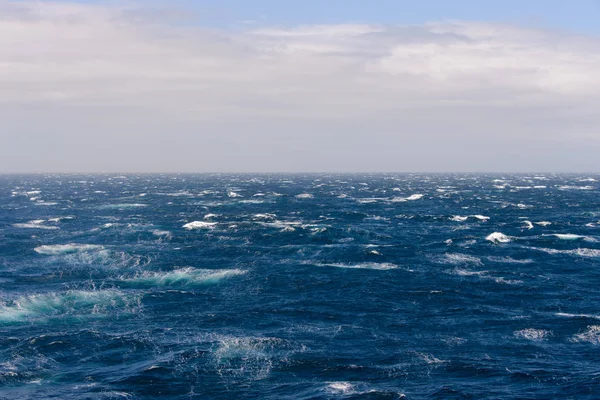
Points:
(118, 88)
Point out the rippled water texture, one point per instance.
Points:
(299, 286)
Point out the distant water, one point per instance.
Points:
(300, 286)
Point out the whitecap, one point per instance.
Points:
(535, 335)
(264, 216)
(344, 388)
(35, 224)
(581, 252)
(412, 197)
(591, 335)
(75, 302)
(430, 359)
(251, 357)
(459, 218)
(60, 219)
(160, 233)
(285, 225)
(527, 225)
(66, 248)
(568, 315)
(509, 260)
(567, 187)
(304, 196)
(199, 225)
(481, 217)
(251, 201)
(367, 265)
(457, 258)
(464, 272)
(566, 236)
(182, 277)
(543, 223)
(122, 206)
(498, 237)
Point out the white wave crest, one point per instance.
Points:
(567, 187)
(536, 335)
(566, 236)
(199, 225)
(344, 388)
(122, 206)
(304, 196)
(367, 265)
(183, 277)
(498, 237)
(412, 197)
(66, 248)
(457, 258)
(76, 302)
(591, 335)
(581, 252)
(35, 224)
(509, 260)
(567, 315)
(251, 358)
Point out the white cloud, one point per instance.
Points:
(89, 87)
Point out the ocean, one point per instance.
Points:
(300, 286)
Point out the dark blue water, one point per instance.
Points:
(299, 286)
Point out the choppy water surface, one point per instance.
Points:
(299, 286)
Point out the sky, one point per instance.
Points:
(299, 86)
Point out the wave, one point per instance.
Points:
(89, 255)
(536, 335)
(182, 277)
(75, 303)
(498, 237)
(461, 218)
(457, 258)
(484, 275)
(367, 265)
(566, 236)
(344, 388)
(568, 187)
(251, 358)
(464, 272)
(304, 196)
(122, 206)
(60, 219)
(35, 224)
(567, 315)
(199, 225)
(412, 197)
(581, 252)
(284, 225)
(66, 248)
(509, 260)
(591, 335)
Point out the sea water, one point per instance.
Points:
(298, 286)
